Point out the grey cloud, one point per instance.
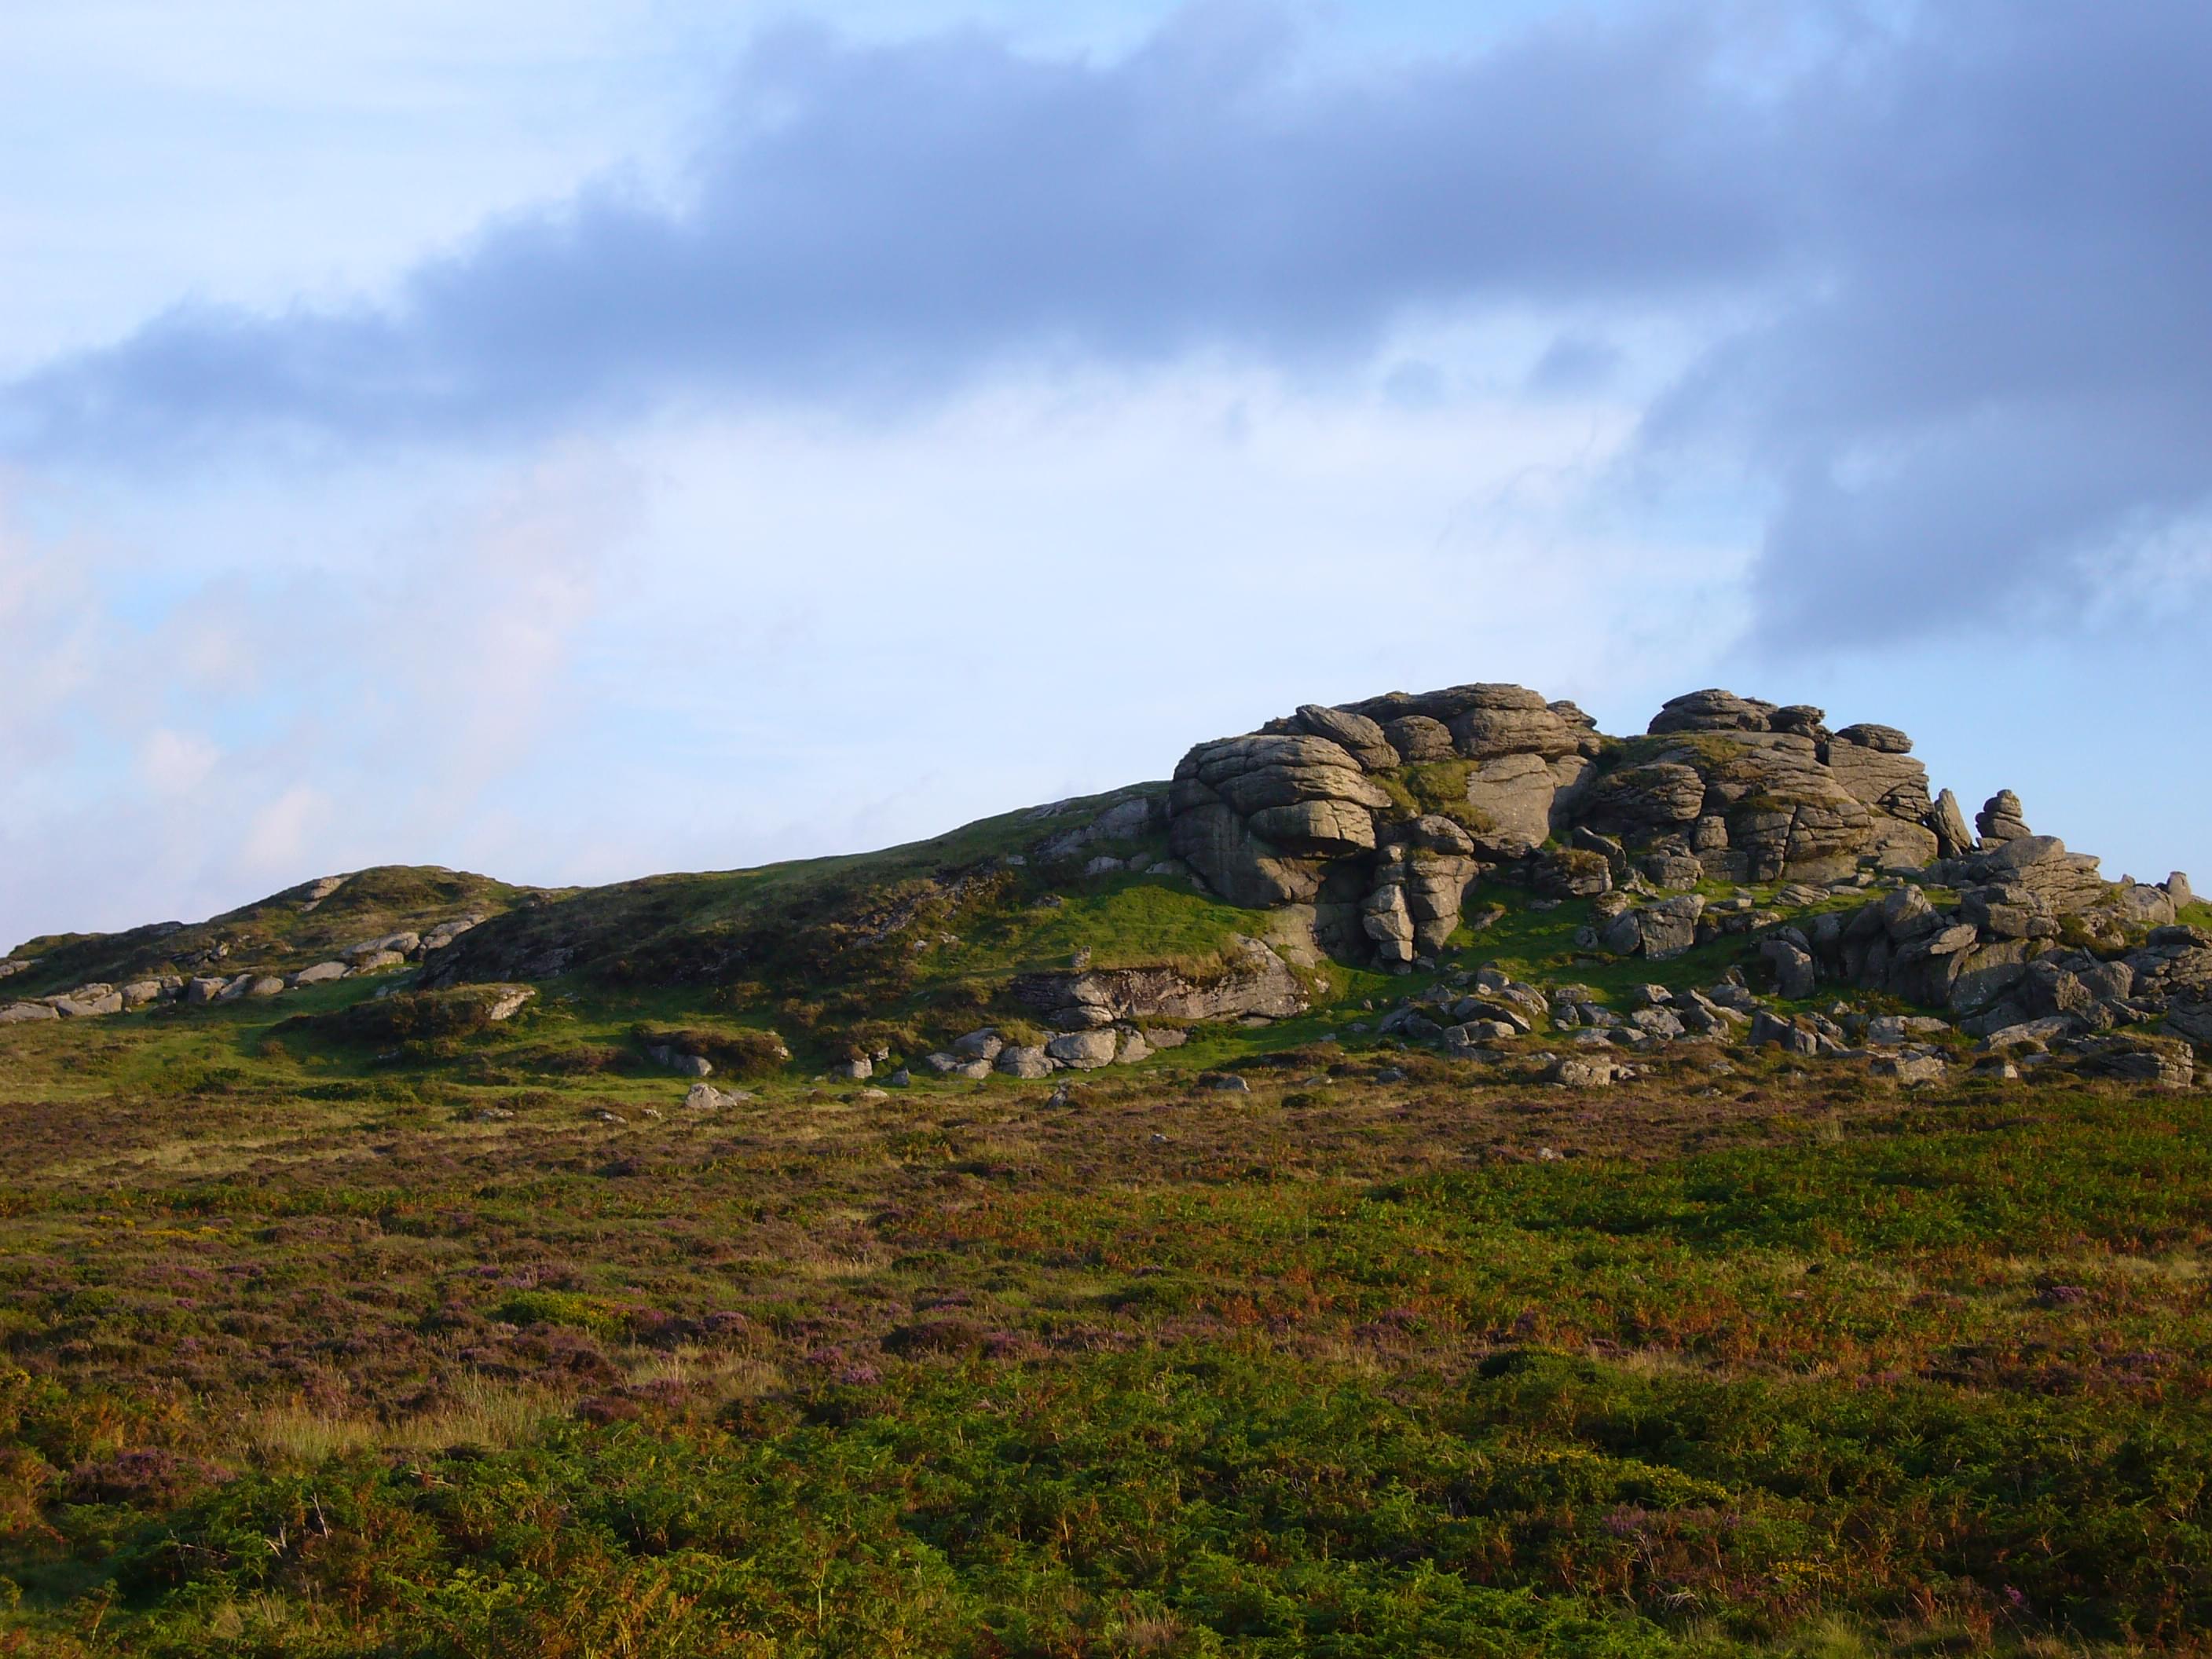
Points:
(2005, 367)
(878, 222)
(1978, 242)
(1574, 363)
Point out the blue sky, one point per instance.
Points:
(600, 436)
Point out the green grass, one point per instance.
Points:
(1437, 788)
(1353, 1378)
(335, 1324)
(1121, 921)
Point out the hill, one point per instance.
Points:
(1428, 1177)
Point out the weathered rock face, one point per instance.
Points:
(1485, 721)
(1257, 983)
(1320, 808)
(1259, 816)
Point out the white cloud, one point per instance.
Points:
(176, 763)
(278, 839)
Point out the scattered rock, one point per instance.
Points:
(508, 1000)
(2191, 1016)
(91, 1002)
(676, 1060)
(1023, 1062)
(984, 1044)
(1083, 1051)
(1581, 1072)
(1792, 966)
(1670, 927)
(1790, 1036)
(2033, 1033)
(1911, 1070)
(438, 938)
(2160, 1062)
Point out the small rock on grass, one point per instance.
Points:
(1017, 1060)
(1227, 1083)
(1910, 1070)
(1581, 1072)
(706, 1097)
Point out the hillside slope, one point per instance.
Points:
(1333, 864)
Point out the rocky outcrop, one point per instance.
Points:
(1260, 817)
(1339, 808)
(1422, 873)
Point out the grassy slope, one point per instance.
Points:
(277, 934)
(1342, 1367)
(485, 1346)
(582, 1031)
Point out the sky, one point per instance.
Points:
(582, 439)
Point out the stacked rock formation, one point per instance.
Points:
(1377, 816)
(1323, 809)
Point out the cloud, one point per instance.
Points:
(2000, 388)
(237, 729)
(880, 221)
(1944, 265)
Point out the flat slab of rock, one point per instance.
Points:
(86, 1007)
